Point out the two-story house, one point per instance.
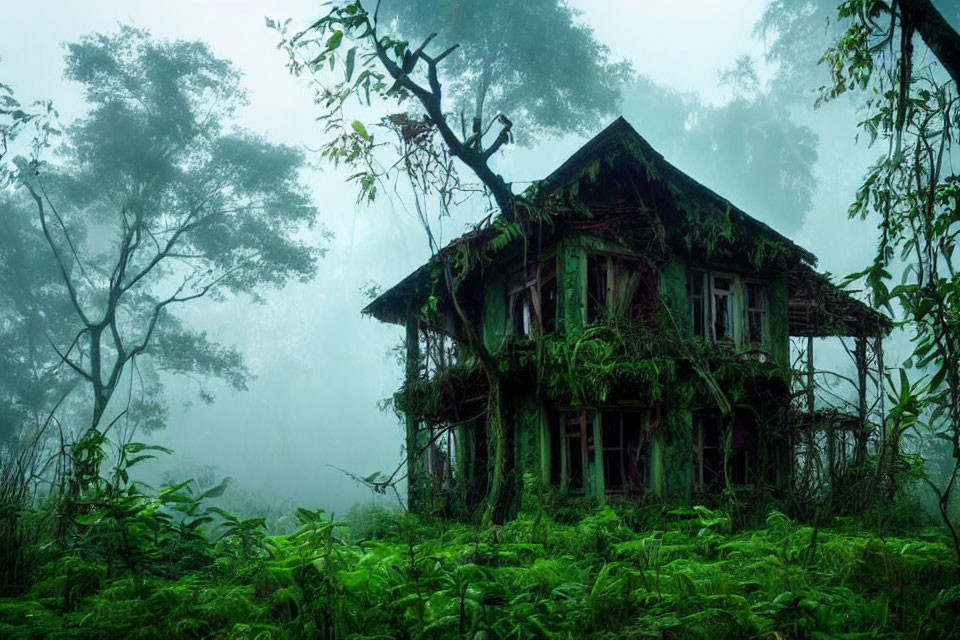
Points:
(641, 327)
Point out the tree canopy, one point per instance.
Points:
(154, 200)
(530, 60)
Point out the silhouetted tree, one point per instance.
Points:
(154, 202)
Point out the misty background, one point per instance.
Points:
(704, 94)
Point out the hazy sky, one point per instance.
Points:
(321, 367)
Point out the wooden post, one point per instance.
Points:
(811, 408)
(414, 481)
(860, 351)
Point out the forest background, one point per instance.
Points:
(756, 114)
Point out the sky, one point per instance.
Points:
(320, 366)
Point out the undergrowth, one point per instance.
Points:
(164, 566)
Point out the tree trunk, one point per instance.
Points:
(936, 32)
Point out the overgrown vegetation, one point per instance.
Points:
(149, 564)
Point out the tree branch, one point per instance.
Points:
(936, 32)
(71, 289)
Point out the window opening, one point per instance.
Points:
(577, 442)
(596, 287)
(620, 287)
(722, 308)
(441, 454)
(625, 459)
(756, 311)
(524, 304)
(707, 457)
(574, 428)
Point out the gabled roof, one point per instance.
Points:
(620, 139)
(688, 204)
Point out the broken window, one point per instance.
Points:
(743, 449)
(722, 308)
(620, 287)
(625, 456)
(707, 457)
(756, 311)
(441, 453)
(726, 309)
(526, 301)
(576, 437)
(439, 346)
(597, 288)
(520, 316)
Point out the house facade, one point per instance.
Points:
(639, 328)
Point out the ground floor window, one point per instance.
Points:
(576, 435)
(709, 433)
(623, 452)
(441, 456)
(707, 453)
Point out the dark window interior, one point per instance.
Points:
(722, 308)
(596, 287)
(708, 454)
(635, 287)
(707, 458)
(625, 456)
(574, 441)
(520, 314)
(576, 436)
(613, 452)
(524, 304)
(756, 308)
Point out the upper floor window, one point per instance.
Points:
(724, 308)
(756, 311)
(619, 287)
(531, 296)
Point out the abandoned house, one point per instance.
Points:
(640, 326)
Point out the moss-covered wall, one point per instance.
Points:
(535, 426)
(495, 310)
(778, 328)
(573, 296)
(673, 292)
(675, 434)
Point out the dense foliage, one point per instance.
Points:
(162, 564)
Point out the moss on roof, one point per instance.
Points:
(697, 218)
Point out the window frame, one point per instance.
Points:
(763, 310)
(739, 314)
(607, 304)
(523, 289)
(585, 421)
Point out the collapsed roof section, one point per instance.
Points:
(618, 172)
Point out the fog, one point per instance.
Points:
(321, 367)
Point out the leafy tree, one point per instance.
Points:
(512, 56)
(907, 55)
(528, 60)
(155, 201)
